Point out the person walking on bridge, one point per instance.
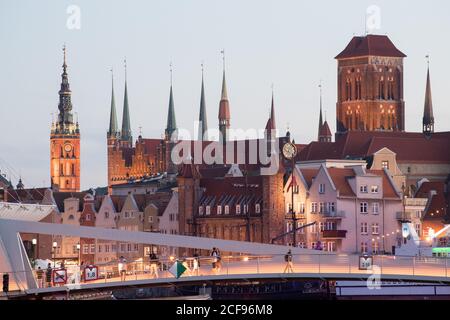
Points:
(289, 265)
(154, 265)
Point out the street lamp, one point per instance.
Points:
(34, 242)
(289, 152)
(54, 246)
(79, 251)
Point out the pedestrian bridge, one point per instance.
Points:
(250, 260)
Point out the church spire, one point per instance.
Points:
(224, 107)
(65, 117)
(112, 132)
(271, 121)
(126, 135)
(320, 112)
(171, 121)
(203, 123)
(428, 118)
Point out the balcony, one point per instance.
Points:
(333, 214)
(403, 216)
(334, 234)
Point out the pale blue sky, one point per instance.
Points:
(288, 43)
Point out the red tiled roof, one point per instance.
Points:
(339, 177)
(437, 205)
(309, 175)
(35, 195)
(388, 188)
(409, 146)
(370, 45)
(325, 130)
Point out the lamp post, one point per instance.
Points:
(34, 242)
(289, 152)
(79, 251)
(54, 246)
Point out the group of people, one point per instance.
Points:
(48, 276)
(216, 260)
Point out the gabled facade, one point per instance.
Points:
(355, 209)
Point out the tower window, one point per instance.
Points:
(73, 169)
(61, 169)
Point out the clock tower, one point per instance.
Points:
(65, 142)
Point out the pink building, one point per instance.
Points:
(355, 209)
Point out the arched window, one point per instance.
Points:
(381, 88)
(61, 169)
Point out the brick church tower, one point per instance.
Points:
(370, 86)
(65, 142)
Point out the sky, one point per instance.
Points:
(290, 44)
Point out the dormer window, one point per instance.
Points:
(322, 188)
(257, 208)
(374, 189)
(208, 210)
(219, 209)
(106, 214)
(227, 209)
(200, 210)
(238, 209)
(363, 189)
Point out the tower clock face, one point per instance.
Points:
(67, 147)
(289, 150)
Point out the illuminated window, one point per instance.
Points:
(385, 164)
(375, 228)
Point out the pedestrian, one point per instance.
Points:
(122, 268)
(154, 265)
(40, 277)
(289, 265)
(214, 259)
(196, 264)
(82, 267)
(48, 275)
(219, 261)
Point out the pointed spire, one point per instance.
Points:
(270, 125)
(203, 123)
(171, 121)
(126, 126)
(428, 118)
(112, 132)
(65, 117)
(320, 106)
(224, 107)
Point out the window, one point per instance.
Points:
(301, 208)
(74, 249)
(375, 208)
(418, 228)
(238, 209)
(88, 217)
(363, 207)
(331, 207)
(71, 217)
(123, 247)
(385, 164)
(200, 210)
(314, 228)
(375, 228)
(288, 226)
(219, 209)
(257, 208)
(313, 245)
(374, 189)
(299, 225)
(85, 248)
(364, 228)
(321, 226)
(321, 207)
(208, 210)
(106, 247)
(106, 214)
(227, 209)
(330, 225)
(363, 189)
(150, 219)
(113, 248)
(375, 247)
(129, 247)
(418, 214)
(302, 245)
(331, 246)
(126, 215)
(136, 247)
(99, 249)
(364, 247)
(322, 188)
(313, 207)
